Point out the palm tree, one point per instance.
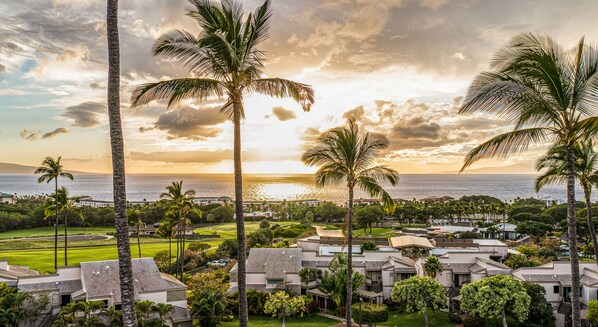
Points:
(144, 310)
(114, 316)
(162, 309)
(343, 154)
(60, 204)
(180, 203)
(118, 168)
(168, 230)
(135, 220)
(209, 306)
(586, 162)
(228, 63)
(50, 170)
(550, 95)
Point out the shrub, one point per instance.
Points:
(473, 321)
(593, 312)
(454, 318)
(367, 313)
(264, 224)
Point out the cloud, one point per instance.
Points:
(29, 135)
(198, 156)
(34, 134)
(11, 92)
(56, 132)
(2, 68)
(283, 114)
(190, 123)
(86, 114)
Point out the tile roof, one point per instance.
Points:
(410, 241)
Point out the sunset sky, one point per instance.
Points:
(398, 67)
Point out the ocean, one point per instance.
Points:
(290, 187)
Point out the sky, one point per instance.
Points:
(398, 67)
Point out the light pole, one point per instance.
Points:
(360, 302)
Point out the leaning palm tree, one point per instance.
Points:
(344, 155)
(224, 61)
(586, 162)
(135, 220)
(551, 97)
(180, 203)
(125, 266)
(50, 170)
(61, 204)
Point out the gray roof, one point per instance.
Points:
(457, 268)
(62, 287)
(15, 272)
(563, 279)
(274, 262)
(101, 279)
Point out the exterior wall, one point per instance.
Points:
(7, 199)
(256, 279)
(308, 245)
(157, 297)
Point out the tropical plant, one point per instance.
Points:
(550, 95)
(420, 294)
(343, 154)
(162, 309)
(307, 274)
(135, 220)
(209, 307)
(228, 62)
(432, 266)
(180, 203)
(167, 229)
(494, 296)
(586, 162)
(50, 170)
(540, 312)
(143, 310)
(115, 317)
(60, 204)
(335, 283)
(282, 305)
(368, 246)
(127, 291)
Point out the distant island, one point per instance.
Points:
(10, 168)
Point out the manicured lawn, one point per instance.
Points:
(308, 321)
(49, 231)
(229, 230)
(377, 232)
(436, 319)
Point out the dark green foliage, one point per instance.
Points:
(368, 246)
(261, 237)
(264, 224)
(480, 199)
(256, 301)
(534, 229)
(329, 212)
(370, 314)
(540, 313)
(228, 248)
(223, 213)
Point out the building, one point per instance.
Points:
(10, 274)
(555, 277)
(269, 268)
(99, 281)
(7, 198)
(208, 200)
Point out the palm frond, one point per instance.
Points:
(279, 87)
(552, 176)
(176, 90)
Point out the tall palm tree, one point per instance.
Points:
(551, 96)
(60, 204)
(224, 61)
(180, 203)
(168, 230)
(344, 155)
(135, 220)
(586, 163)
(50, 170)
(118, 168)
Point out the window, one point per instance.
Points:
(556, 289)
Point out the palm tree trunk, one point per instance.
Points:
(183, 250)
(587, 197)
(573, 237)
(118, 168)
(138, 240)
(56, 224)
(65, 240)
(170, 254)
(178, 247)
(241, 250)
(349, 258)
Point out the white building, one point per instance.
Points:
(7, 198)
(207, 200)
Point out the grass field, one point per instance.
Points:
(309, 321)
(435, 319)
(49, 231)
(229, 230)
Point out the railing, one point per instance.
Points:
(47, 318)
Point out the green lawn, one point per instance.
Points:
(436, 319)
(308, 321)
(229, 230)
(376, 232)
(49, 231)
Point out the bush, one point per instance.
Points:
(369, 313)
(473, 321)
(312, 306)
(264, 224)
(454, 318)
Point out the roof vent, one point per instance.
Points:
(107, 267)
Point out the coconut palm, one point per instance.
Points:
(60, 204)
(135, 220)
(224, 61)
(168, 230)
(180, 203)
(118, 168)
(551, 97)
(586, 163)
(344, 155)
(50, 170)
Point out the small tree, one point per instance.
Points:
(368, 246)
(535, 230)
(282, 305)
(420, 294)
(199, 246)
(494, 296)
(264, 224)
(540, 311)
(432, 266)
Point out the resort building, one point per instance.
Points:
(207, 200)
(99, 281)
(10, 274)
(7, 198)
